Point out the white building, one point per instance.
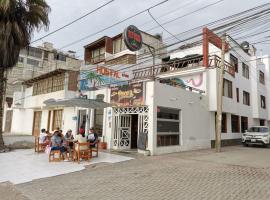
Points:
(33, 62)
(170, 110)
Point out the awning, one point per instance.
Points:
(77, 102)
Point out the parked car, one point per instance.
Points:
(256, 135)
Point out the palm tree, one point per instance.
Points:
(18, 20)
(95, 79)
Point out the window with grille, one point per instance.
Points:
(168, 126)
(34, 52)
(245, 70)
(57, 119)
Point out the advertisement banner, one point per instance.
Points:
(128, 95)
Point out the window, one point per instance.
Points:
(98, 55)
(263, 102)
(118, 45)
(33, 62)
(227, 88)
(98, 121)
(246, 98)
(234, 62)
(244, 124)
(57, 119)
(46, 55)
(168, 126)
(20, 60)
(237, 94)
(224, 123)
(235, 123)
(34, 52)
(261, 77)
(51, 84)
(60, 56)
(245, 70)
(262, 122)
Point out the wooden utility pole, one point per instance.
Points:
(219, 96)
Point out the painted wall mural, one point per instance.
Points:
(197, 81)
(91, 79)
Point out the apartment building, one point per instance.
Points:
(246, 82)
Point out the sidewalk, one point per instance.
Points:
(22, 166)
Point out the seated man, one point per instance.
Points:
(57, 144)
(92, 137)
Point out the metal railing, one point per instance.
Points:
(180, 65)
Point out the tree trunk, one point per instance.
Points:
(2, 100)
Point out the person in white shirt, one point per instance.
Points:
(42, 136)
(80, 139)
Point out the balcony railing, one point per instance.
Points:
(180, 65)
(96, 59)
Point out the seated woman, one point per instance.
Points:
(80, 139)
(57, 144)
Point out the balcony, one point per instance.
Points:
(97, 59)
(181, 65)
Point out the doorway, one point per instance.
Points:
(134, 131)
(36, 123)
(81, 119)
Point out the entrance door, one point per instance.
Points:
(36, 123)
(81, 119)
(125, 131)
(134, 131)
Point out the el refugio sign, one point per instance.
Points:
(133, 38)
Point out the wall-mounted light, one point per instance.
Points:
(173, 99)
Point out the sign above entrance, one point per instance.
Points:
(133, 38)
(128, 95)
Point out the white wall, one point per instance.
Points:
(195, 118)
(22, 122)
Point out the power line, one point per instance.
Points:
(72, 22)
(197, 10)
(161, 25)
(119, 22)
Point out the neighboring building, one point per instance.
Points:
(29, 111)
(33, 62)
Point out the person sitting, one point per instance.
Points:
(42, 136)
(69, 139)
(82, 131)
(80, 139)
(92, 137)
(57, 144)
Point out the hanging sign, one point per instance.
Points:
(128, 95)
(133, 38)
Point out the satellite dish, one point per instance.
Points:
(245, 45)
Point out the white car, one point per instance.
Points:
(256, 135)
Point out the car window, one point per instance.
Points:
(258, 129)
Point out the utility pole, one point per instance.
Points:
(219, 96)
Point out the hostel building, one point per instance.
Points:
(169, 107)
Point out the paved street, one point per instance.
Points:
(236, 173)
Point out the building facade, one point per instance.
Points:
(165, 108)
(33, 62)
